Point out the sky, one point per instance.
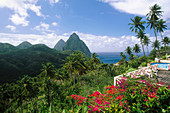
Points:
(101, 24)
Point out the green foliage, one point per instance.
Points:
(164, 57)
(153, 53)
(7, 48)
(24, 45)
(131, 57)
(143, 64)
(74, 43)
(60, 44)
(142, 59)
(131, 69)
(130, 95)
(128, 50)
(28, 62)
(134, 63)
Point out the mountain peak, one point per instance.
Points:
(60, 44)
(74, 36)
(74, 43)
(24, 45)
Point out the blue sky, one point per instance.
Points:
(101, 24)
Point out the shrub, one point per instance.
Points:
(164, 57)
(133, 64)
(131, 95)
(143, 64)
(142, 59)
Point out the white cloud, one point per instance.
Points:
(12, 28)
(36, 9)
(139, 7)
(53, 1)
(20, 8)
(17, 20)
(58, 16)
(55, 24)
(42, 27)
(95, 43)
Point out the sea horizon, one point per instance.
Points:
(113, 57)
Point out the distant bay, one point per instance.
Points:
(112, 57)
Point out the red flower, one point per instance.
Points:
(95, 94)
(152, 95)
(121, 103)
(119, 97)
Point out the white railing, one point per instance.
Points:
(143, 71)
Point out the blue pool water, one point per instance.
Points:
(162, 65)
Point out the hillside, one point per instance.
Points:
(60, 44)
(6, 48)
(24, 45)
(28, 62)
(74, 43)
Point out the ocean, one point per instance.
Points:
(112, 57)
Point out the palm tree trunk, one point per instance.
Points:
(74, 78)
(147, 50)
(161, 35)
(156, 38)
(142, 48)
(155, 32)
(165, 47)
(48, 96)
(79, 78)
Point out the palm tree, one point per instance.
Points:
(77, 63)
(128, 50)
(49, 72)
(146, 42)
(161, 26)
(141, 35)
(121, 54)
(165, 41)
(136, 48)
(69, 67)
(156, 44)
(137, 24)
(95, 59)
(153, 16)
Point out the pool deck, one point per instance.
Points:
(163, 76)
(165, 61)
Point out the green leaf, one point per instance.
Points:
(50, 108)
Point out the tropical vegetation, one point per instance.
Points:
(79, 82)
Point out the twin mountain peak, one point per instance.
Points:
(73, 43)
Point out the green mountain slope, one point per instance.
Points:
(24, 45)
(28, 62)
(6, 48)
(60, 44)
(74, 43)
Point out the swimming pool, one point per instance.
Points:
(162, 65)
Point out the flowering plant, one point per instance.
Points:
(131, 95)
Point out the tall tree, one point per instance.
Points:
(153, 16)
(136, 48)
(69, 67)
(141, 35)
(165, 41)
(161, 26)
(95, 59)
(137, 24)
(77, 63)
(48, 71)
(156, 44)
(121, 54)
(146, 42)
(128, 50)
